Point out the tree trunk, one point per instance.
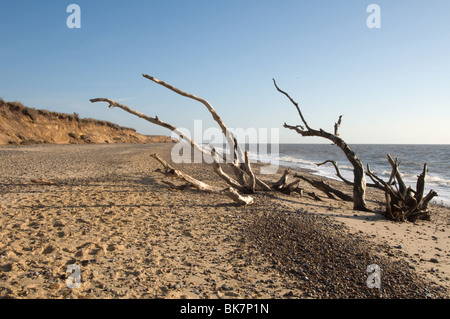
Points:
(359, 183)
(359, 189)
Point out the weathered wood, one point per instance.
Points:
(420, 186)
(337, 125)
(284, 187)
(228, 134)
(262, 185)
(248, 169)
(229, 192)
(314, 196)
(283, 180)
(338, 171)
(359, 182)
(404, 203)
(229, 180)
(238, 154)
(346, 181)
(327, 189)
(292, 187)
(398, 176)
(154, 120)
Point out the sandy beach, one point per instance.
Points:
(133, 236)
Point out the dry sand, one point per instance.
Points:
(134, 237)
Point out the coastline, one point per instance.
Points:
(134, 237)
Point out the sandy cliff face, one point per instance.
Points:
(23, 125)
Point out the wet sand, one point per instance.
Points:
(132, 236)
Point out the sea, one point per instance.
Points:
(411, 157)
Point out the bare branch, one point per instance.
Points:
(298, 128)
(337, 125)
(346, 181)
(338, 172)
(386, 186)
(283, 179)
(154, 120)
(248, 169)
(397, 175)
(228, 135)
(293, 102)
(230, 181)
(427, 199)
(359, 184)
(239, 156)
(327, 189)
(420, 186)
(229, 192)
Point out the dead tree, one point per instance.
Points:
(359, 182)
(403, 203)
(229, 192)
(283, 186)
(331, 192)
(245, 180)
(346, 181)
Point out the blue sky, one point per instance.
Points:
(391, 84)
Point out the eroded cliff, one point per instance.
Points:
(23, 125)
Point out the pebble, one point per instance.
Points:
(326, 260)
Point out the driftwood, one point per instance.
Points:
(238, 164)
(327, 189)
(244, 181)
(359, 183)
(403, 203)
(229, 192)
(284, 187)
(346, 181)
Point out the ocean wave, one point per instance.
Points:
(291, 159)
(437, 180)
(431, 179)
